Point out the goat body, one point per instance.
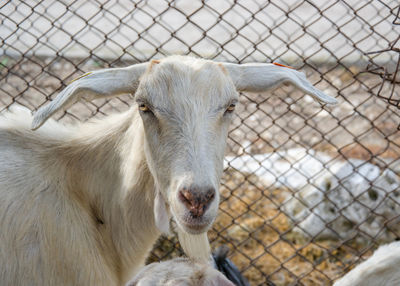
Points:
(76, 204)
(84, 205)
(382, 268)
(179, 272)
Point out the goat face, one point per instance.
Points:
(186, 107)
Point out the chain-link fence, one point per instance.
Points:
(308, 191)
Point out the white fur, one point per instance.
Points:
(382, 268)
(196, 246)
(179, 272)
(79, 206)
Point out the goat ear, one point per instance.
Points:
(256, 77)
(96, 84)
(161, 214)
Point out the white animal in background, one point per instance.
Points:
(179, 272)
(381, 269)
(84, 205)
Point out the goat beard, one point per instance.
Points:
(195, 246)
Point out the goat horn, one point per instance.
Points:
(96, 84)
(257, 77)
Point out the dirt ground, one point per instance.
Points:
(262, 243)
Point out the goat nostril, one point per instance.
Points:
(209, 196)
(186, 197)
(196, 201)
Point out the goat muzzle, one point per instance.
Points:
(197, 200)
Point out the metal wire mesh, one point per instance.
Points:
(308, 191)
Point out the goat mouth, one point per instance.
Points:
(194, 225)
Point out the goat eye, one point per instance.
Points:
(143, 107)
(231, 108)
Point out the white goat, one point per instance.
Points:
(179, 272)
(84, 205)
(381, 269)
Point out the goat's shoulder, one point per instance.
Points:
(24, 153)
